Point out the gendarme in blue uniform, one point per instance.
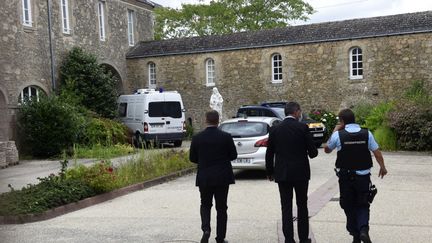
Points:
(334, 142)
(354, 162)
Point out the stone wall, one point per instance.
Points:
(316, 75)
(25, 54)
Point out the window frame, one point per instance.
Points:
(152, 75)
(357, 62)
(210, 72)
(131, 29)
(29, 88)
(64, 9)
(27, 22)
(279, 67)
(101, 20)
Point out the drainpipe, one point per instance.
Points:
(51, 46)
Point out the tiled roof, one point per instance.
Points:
(420, 22)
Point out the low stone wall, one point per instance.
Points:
(8, 154)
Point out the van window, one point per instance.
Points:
(164, 109)
(122, 109)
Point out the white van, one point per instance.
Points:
(157, 116)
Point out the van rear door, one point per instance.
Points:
(165, 117)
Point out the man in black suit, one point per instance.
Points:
(287, 163)
(213, 150)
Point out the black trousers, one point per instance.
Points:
(354, 192)
(286, 194)
(220, 194)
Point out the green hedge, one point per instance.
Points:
(49, 126)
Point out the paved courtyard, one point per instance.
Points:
(170, 212)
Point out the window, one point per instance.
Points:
(152, 75)
(122, 108)
(101, 15)
(130, 14)
(245, 129)
(65, 16)
(356, 63)
(276, 68)
(30, 93)
(165, 109)
(27, 14)
(210, 72)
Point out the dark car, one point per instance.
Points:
(277, 109)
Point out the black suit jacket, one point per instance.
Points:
(289, 145)
(213, 150)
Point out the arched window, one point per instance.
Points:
(30, 93)
(210, 72)
(152, 75)
(356, 63)
(276, 68)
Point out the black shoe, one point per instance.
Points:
(356, 239)
(306, 241)
(364, 236)
(205, 237)
(221, 241)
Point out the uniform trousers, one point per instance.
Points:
(354, 193)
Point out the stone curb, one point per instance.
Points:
(68, 208)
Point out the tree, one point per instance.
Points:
(228, 16)
(88, 84)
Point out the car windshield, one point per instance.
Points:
(245, 129)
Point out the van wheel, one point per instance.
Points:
(138, 141)
(178, 143)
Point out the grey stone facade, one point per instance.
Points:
(315, 63)
(25, 58)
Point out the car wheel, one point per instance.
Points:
(138, 141)
(178, 143)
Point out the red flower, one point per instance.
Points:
(110, 169)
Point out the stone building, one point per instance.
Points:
(326, 65)
(106, 28)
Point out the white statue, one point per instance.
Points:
(216, 102)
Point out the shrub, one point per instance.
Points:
(52, 191)
(418, 93)
(86, 82)
(378, 116)
(100, 176)
(105, 132)
(386, 138)
(413, 125)
(362, 111)
(412, 118)
(49, 126)
(189, 131)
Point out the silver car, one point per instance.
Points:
(250, 137)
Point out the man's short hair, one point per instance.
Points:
(347, 116)
(212, 117)
(291, 108)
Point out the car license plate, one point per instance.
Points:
(242, 161)
(318, 135)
